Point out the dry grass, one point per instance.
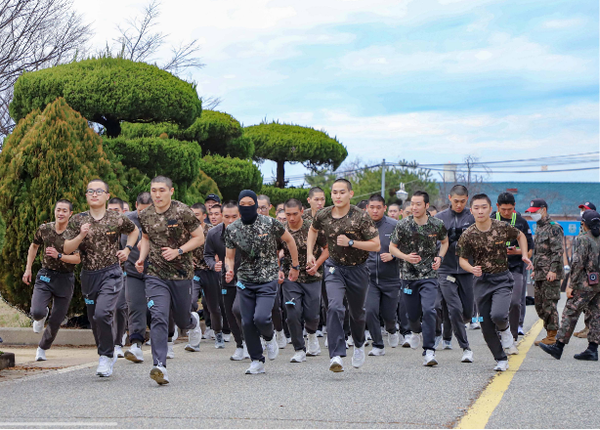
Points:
(10, 317)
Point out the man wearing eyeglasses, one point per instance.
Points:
(97, 233)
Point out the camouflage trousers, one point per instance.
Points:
(547, 295)
(588, 300)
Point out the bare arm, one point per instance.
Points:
(372, 245)
(196, 241)
(31, 253)
(465, 265)
(132, 239)
(71, 245)
(229, 264)
(144, 246)
(310, 245)
(522, 239)
(437, 262)
(412, 258)
(293, 250)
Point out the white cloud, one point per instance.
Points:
(563, 23)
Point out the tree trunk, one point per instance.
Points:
(280, 174)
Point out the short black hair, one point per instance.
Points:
(481, 196)
(116, 201)
(65, 201)
(144, 198)
(423, 194)
(344, 180)
(263, 197)
(162, 180)
(293, 203)
(459, 190)
(199, 206)
(506, 198)
(229, 205)
(399, 204)
(217, 206)
(99, 180)
(406, 205)
(377, 198)
(362, 204)
(314, 190)
(432, 208)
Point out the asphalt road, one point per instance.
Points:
(209, 390)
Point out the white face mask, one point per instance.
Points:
(581, 213)
(536, 217)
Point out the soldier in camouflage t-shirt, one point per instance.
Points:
(55, 280)
(255, 237)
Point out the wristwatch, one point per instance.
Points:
(180, 251)
(350, 243)
(129, 247)
(295, 267)
(59, 256)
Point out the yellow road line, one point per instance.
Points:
(480, 412)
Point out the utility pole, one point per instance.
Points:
(383, 179)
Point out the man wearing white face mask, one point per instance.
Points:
(547, 267)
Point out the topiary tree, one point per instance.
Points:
(294, 144)
(281, 195)
(108, 91)
(49, 156)
(202, 186)
(232, 175)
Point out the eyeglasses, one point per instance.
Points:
(263, 208)
(99, 191)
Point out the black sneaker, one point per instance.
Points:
(587, 355)
(553, 350)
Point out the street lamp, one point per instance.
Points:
(401, 194)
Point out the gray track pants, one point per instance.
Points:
(443, 326)
(135, 294)
(419, 297)
(351, 282)
(493, 294)
(100, 289)
(457, 291)
(121, 315)
(256, 306)
(303, 303)
(59, 290)
(514, 311)
(234, 320)
(382, 299)
(211, 290)
(403, 321)
(165, 296)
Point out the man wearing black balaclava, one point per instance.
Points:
(255, 237)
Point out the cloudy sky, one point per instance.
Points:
(428, 80)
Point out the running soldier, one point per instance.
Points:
(55, 280)
(485, 243)
(547, 268)
(316, 201)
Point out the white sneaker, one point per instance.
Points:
(245, 348)
(406, 341)
(227, 337)
(299, 357)
(501, 366)
(447, 344)
(358, 358)
(170, 352)
(437, 341)
(40, 354)
(377, 352)
(336, 364)
(429, 358)
(135, 354)
(520, 331)
(467, 356)
(38, 326)
(148, 342)
(219, 342)
(119, 351)
(256, 367)
(124, 339)
(195, 334)
(272, 349)
(506, 338)
(324, 329)
(414, 340)
(326, 343)
(238, 355)
(349, 342)
(280, 339)
(368, 335)
(264, 343)
(512, 350)
(319, 333)
(474, 326)
(105, 366)
(209, 334)
(159, 374)
(313, 348)
(288, 340)
(176, 334)
(394, 339)
(189, 347)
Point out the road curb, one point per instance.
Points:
(26, 337)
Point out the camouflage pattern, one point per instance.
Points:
(547, 295)
(585, 260)
(198, 253)
(100, 246)
(170, 229)
(488, 248)
(300, 236)
(356, 225)
(47, 236)
(421, 239)
(589, 300)
(548, 249)
(307, 215)
(257, 244)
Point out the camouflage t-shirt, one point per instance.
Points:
(170, 229)
(257, 244)
(198, 253)
(300, 236)
(421, 239)
(100, 246)
(46, 235)
(356, 225)
(488, 248)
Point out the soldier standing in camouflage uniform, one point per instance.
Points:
(351, 235)
(55, 280)
(170, 232)
(584, 291)
(302, 298)
(485, 242)
(97, 234)
(583, 333)
(547, 267)
(255, 236)
(414, 241)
